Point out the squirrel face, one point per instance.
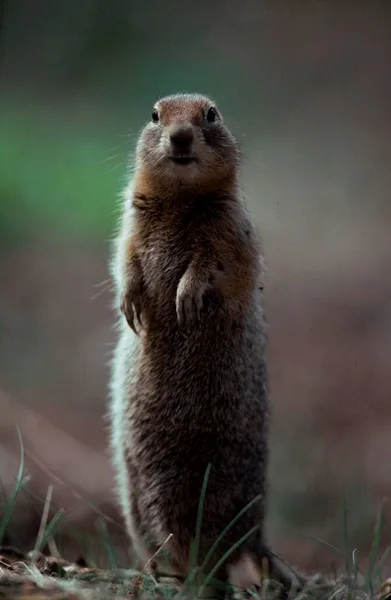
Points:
(187, 144)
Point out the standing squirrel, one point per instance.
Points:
(189, 380)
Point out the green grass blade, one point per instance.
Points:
(49, 530)
(111, 554)
(373, 556)
(346, 538)
(195, 546)
(382, 560)
(355, 572)
(20, 481)
(324, 542)
(3, 492)
(331, 546)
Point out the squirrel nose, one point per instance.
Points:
(181, 136)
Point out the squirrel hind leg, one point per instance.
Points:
(249, 570)
(291, 581)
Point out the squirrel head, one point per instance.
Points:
(186, 145)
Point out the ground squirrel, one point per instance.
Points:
(189, 382)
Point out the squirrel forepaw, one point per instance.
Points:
(131, 307)
(189, 300)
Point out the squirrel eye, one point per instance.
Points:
(211, 115)
(155, 116)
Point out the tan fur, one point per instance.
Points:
(189, 381)
(244, 573)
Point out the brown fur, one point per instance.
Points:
(191, 388)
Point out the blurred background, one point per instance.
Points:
(306, 88)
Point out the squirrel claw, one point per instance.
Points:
(131, 308)
(188, 307)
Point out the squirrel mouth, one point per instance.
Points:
(182, 160)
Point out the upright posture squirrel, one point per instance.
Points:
(189, 381)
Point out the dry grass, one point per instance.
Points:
(45, 577)
(74, 583)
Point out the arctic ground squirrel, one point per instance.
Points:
(189, 392)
